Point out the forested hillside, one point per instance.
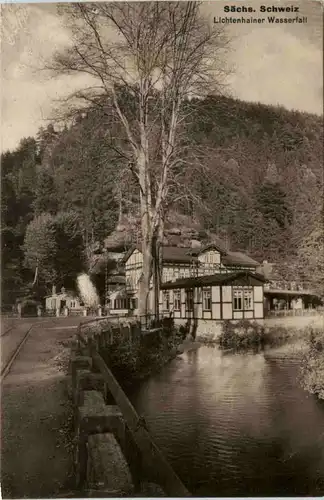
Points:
(254, 178)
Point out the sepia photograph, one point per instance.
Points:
(162, 249)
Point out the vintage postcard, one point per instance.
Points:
(162, 249)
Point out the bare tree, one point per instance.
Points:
(148, 60)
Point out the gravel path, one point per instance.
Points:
(36, 418)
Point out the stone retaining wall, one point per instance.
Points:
(103, 448)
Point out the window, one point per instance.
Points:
(177, 300)
(238, 300)
(121, 303)
(182, 272)
(248, 300)
(194, 269)
(189, 300)
(134, 303)
(53, 303)
(207, 299)
(166, 300)
(242, 299)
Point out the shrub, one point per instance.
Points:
(241, 335)
(133, 359)
(312, 368)
(246, 335)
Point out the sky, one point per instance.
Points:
(278, 65)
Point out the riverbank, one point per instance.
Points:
(246, 335)
(312, 372)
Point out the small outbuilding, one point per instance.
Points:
(61, 300)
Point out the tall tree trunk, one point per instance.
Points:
(156, 277)
(36, 275)
(147, 236)
(144, 282)
(159, 258)
(120, 206)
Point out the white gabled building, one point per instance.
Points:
(62, 299)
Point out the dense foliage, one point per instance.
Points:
(247, 335)
(134, 358)
(260, 186)
(312, 374)
(53, 248)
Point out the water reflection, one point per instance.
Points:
(234, 425)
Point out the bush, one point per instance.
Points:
(133, 359)
(241, 335)
(184, 330)
(312, 369)
(247, 335)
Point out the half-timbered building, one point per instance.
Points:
(180, 264)
(223, 296)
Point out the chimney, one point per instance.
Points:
(53, 290)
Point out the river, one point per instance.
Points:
(237, 424)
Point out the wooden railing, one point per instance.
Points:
(288, 286)
(89, 344)
(293, 312)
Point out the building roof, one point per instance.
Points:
(130, 251)
(238, 259)
(218, 245)
(240, 278)
(118, 294)
(189, 254)
(178, 254)
(69, 293)
(170, 254)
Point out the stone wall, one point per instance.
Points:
(104, 449)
